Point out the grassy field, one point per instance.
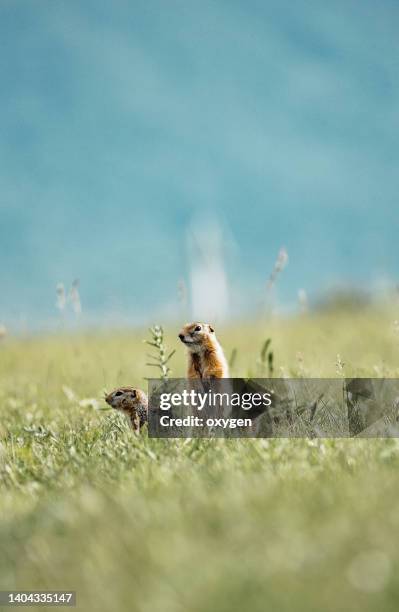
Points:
(133, 523)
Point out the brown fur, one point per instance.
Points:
(205, 355)
(132, 402)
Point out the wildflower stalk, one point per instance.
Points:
(75, 298)
(279, 265)
(266, 359)
(162, 358)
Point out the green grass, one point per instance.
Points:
(133, 523)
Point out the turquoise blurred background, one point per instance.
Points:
(147, 144)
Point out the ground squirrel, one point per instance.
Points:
(132, 402)
(205, 355)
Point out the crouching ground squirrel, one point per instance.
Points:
(132, 402)
(205, 355)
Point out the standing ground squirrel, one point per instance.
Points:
(132, 402)
(205, 355)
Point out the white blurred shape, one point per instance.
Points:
(303, 301)
(208, 279)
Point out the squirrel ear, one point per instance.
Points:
(211, 329)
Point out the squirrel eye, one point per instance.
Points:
(198, 328)
(118, 393)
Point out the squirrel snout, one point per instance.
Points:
(181, 336)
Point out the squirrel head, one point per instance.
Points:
(197, 336)
(126, 399)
